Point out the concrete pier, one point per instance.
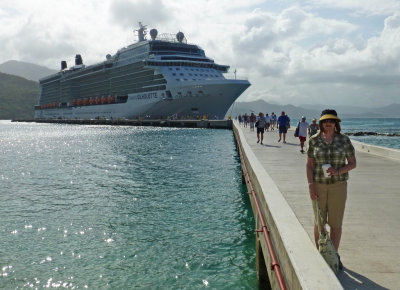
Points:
(371, 231)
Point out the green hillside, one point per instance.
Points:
(29, 71)
(17, 97)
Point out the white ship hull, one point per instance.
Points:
(214, 100)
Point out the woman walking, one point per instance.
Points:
(329, 146)
(313, 127)
(252, 120)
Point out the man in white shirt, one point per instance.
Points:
(268, 121)
(303, 129)
(273, 121)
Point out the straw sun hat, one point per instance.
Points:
(329, 114)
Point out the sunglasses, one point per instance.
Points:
(329, 121)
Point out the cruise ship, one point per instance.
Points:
(159, 78)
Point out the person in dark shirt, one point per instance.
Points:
(260, 124)
(283, 124)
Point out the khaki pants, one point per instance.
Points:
(332, 201)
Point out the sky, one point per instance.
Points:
(331, 52)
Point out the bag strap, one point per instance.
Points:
(320, 220)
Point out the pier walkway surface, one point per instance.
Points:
(370, 245)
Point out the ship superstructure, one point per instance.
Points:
(161, 77)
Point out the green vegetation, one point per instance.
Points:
(17, 97)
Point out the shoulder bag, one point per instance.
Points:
(326, 248)
(296, 132)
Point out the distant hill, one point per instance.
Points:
(310, 111)
(26, 70)
(17, 97)
(293, 112)
(393, 110)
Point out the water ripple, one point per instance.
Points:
(123, 207)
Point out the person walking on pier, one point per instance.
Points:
(252, 119)
(273, 121)
(329, 148)
(245, 119)
(260, 124)
(268, 122)
(303, 129)
(313, 127)
(282, 124)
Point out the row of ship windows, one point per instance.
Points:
(190, 74)
(192, 69)
(205, 73)
(181, 80)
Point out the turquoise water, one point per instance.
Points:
(107, 207)
(378, 125)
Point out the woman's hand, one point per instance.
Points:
(310, 177)
(351, 164)
(313, 191)
(333, 171)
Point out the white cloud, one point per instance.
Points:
(272, 42)
(296, 72)
(125, 12)
(365, 7)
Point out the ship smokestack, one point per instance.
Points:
(63, 65)
(153, 34)
(180, 36)
(78, 59)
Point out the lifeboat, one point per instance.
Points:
(98, 100)
(92, 101)
(104, 100)
(111, 99)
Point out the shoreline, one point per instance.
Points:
(365, 133)
(391, 153)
